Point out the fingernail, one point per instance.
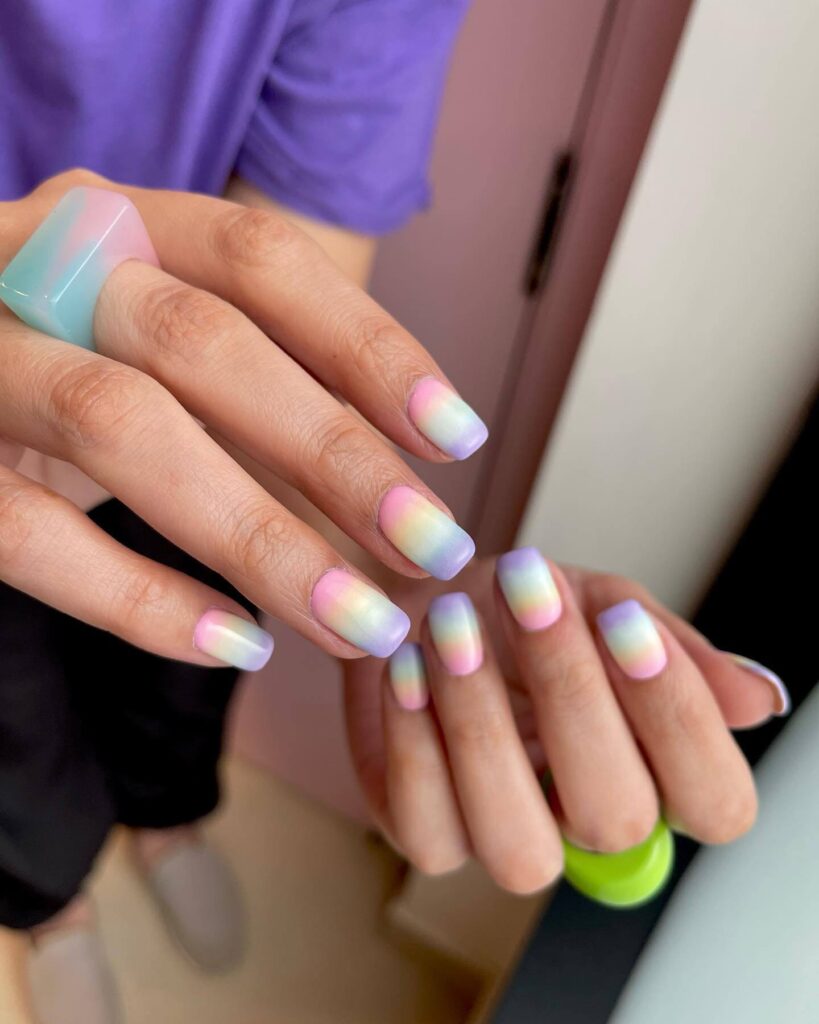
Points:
(446, 419)
(633, 640)
(408, 678)
(529, 588)
(456, 633)
(783, 698)
(359, 613)
(425, 534)
(232, 639)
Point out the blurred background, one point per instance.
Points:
(625, 235)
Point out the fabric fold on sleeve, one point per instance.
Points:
(344, 126)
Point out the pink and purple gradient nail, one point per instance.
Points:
(359, 613)
(456, 633)
(233, 640)
(445, 419)
(529, 588)
(633, 639)
(408, 677)
(781, 695)
(425, 534)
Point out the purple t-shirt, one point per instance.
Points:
(328, 106)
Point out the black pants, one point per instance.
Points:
(95, 732)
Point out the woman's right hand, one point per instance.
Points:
(196, 339)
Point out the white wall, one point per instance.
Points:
(704, 344)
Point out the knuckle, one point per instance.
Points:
(247, 237)
(374, 345)
(96, 402)
(258, 541)
(340, 449)
(183, 322)
(685, 715)
(142, 596)
(21, 508)
(484, 734)
(578, 686)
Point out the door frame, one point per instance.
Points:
(634, 54)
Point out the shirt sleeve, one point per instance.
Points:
(345, 121)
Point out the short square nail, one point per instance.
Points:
(408, 677)
(633, 639)
(529, 588)
(423, 533)
(781, 695)
(456, 633)
(359, 613)
(233, 640)
(444, 418)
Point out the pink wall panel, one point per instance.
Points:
(453, 276)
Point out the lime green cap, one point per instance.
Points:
(623, 879)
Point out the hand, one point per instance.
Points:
(458, 776)
(194, 340)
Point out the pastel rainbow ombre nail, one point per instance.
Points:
(425, 534)
(456, 633)
(54, 281)
(233, 640)
(408, 677)
(359, 613)
(529, 588)
(781, 695)
(633, 639)
(445, 418)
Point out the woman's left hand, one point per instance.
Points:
(627, 704)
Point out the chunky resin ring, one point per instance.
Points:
(54, 281)
(624, 879)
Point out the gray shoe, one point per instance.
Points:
(199, 898)
(70, 980)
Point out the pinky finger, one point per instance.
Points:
(425, 819)
(52, 551)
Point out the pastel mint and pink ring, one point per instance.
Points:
(54, 281)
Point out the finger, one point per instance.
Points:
(606, 792)
(225, 371)
(265, 265)
(47, 545)
(424, 816)
(127, 432)
(748, 693)
(510, 827)
(705, 782)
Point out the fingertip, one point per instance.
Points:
(779, 697)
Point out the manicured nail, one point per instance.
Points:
(232, 639)
(783, 698)
(456, 633)
(446, 419)
(408, 677)
(633, 640)
(425, 534)
(529, 588)
(359, 613)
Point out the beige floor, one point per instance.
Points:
(314, 885)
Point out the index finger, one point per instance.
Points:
(275, 273)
